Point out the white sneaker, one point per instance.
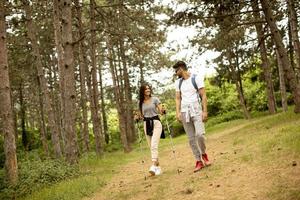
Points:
(152, 170)
(158, 170)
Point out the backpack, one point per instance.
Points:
(193, 82)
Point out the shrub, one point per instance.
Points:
(224, 117)
(35, 174)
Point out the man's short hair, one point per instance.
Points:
(180, 64)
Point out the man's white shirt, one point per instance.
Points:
(188, 92)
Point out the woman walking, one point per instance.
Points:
(150, 107)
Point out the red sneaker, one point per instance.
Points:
(205, 159)
(199, 165)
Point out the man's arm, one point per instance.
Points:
(204, 103)
(178, 102)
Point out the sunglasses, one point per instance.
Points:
(177, 69)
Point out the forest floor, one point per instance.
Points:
(254, 159)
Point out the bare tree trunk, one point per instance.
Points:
(41, 78)
(83, 67)
(294, 34)
(242, 101)
(142, 79)
(60, 63)
(97, 124)
(43, 126)
(288, 71)
(118, 99)
(69, 83)
(238, 83)
(103, 109)
(6, 115)
(282, 83)
(291, 46)
(129, 104)
(25, 141)
(265, 62)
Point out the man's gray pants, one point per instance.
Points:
(195, 130)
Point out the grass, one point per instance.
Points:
(96, 172)
(257, 142)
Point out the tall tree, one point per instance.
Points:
(103, 104)
(288, 71)
(54, 130)
(118, 97)
(6, 115)
(294, 33)
(57, 18)
(97, 123)
(69, 83)
(25, 138)
(264, 59)
(83, 68)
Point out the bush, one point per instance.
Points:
(35, 174)
(224, 117)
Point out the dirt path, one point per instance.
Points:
(235, 174)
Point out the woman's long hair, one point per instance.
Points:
(141, 95)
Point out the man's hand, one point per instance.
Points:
(178, 116)
(204, 116)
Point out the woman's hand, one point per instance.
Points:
(137, 116)
(161, 109)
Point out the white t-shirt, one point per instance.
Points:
(188, 92)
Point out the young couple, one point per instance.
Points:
(191, 111)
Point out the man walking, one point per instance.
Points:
(191, 110)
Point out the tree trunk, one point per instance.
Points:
(141, 66)
(129, 104)
(6, 115)
(69, 83)
(294, 33)
(265, 62)
(60, 63)
(42, 126)
(291, 46)
(42, 81)
(103, 109)
(282, 83)
(239, 88)
(25, 141)
(238, 83)
(97, 124)
(118, 99)
(83, 67)
(288, 71)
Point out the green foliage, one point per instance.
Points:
(32, 137)
(255, 91)
(221, 99)
(224, 117)
(114, 132)
(35, 174)
(95, 172)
